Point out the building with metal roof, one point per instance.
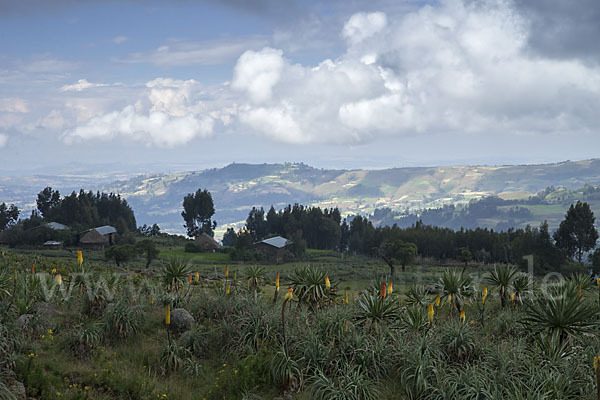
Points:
(274, 249)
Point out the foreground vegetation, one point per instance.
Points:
(82, 331)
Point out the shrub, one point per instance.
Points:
(123, 319)
(193, 247)
(84, 338)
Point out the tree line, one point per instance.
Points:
(78, 211)
(326, 229)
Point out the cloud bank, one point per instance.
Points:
(459, 67)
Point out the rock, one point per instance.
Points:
(181, 320)
(17, 389)
(45, 311)
(24, 320)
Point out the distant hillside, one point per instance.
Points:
(497, 213)
(236, 188)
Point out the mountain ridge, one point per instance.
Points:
(237, 187)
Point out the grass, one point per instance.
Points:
(328, 347)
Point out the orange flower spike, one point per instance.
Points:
(226, 271)
(430, 313)
(383, 290)
(437, 300)
(190, 278)
(463, 316)
(390, 287)
(289, 294)
(512, 297)
(277, 281)
(79, 258)
(197, 277)
(33, 269)
(59, 279)
(327, 282)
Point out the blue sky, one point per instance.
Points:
(189, 84)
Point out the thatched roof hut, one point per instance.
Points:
(207, 243)
(93, 239)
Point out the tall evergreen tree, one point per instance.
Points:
(577, 233)
(197, 213)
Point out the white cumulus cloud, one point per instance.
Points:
(169, 116)
(457, 67)
(363, 25)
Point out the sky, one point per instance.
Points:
(179, 85)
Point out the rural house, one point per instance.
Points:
(207, 243)
(273, 248)
(98, 238)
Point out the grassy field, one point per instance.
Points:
(114, 344)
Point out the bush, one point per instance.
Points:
(193, 247)
(123, 320)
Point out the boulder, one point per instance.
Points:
(181, 320)
(45, 311)
(24, 320)
(17, 389)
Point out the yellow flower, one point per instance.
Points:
(228, 289)
(485, 293)
(226, 271)
(277, 281)
(289, 294)
(167, 315)
(197, 277)
(437, 300)
(390, 287)
(462, 316)
(449, 299)
(430, 313)
(512, 297)
(327, 283)
(59, 279)
(79, 258)
(346, 296)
